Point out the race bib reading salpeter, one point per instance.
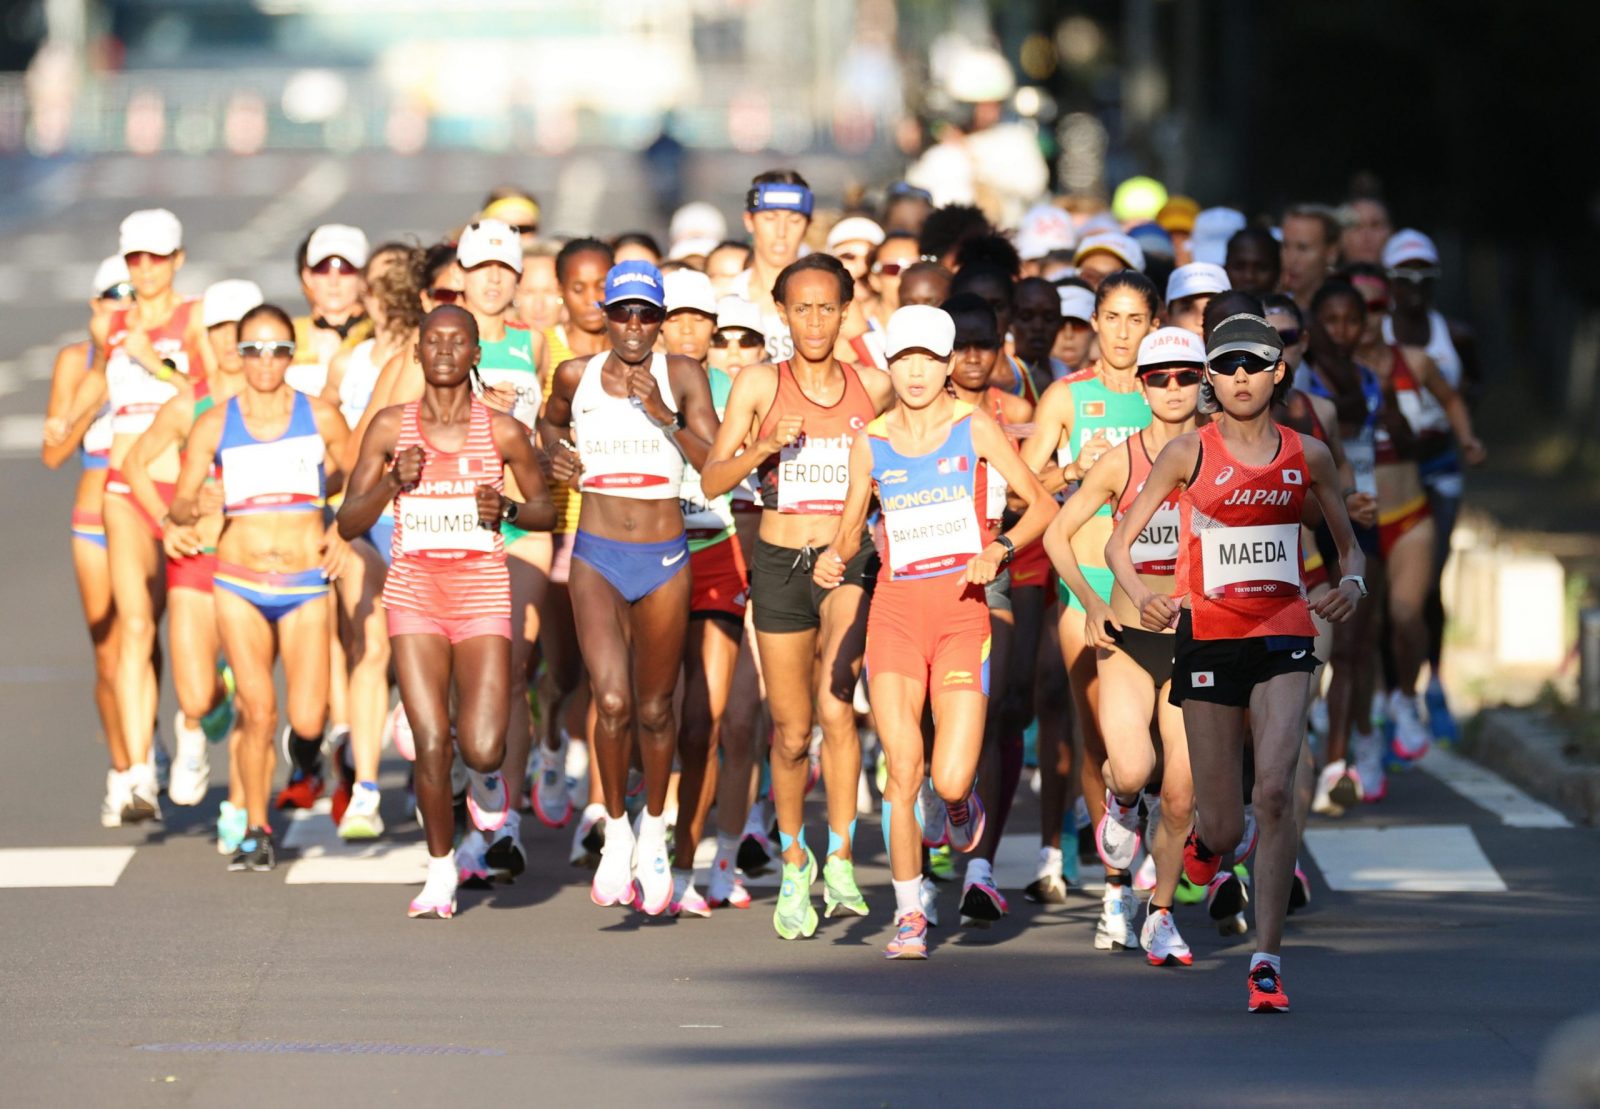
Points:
(1260, 561)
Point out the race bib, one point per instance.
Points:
(813, 477)
(994, 506)
(703, 516)
(1259, 561)
(260, 476)
(932, 537)
(526, 407)
(1155, 551)
(443, 524)
(1362, 452)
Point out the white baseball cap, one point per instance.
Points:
(1195, 279)
(1213, 227)
(689, 289)
(1114, 243)
(855, 229)
(697, 220)
(228, 301)
(1044, 228)
(734, 311)
(337, 240)
(489, 240)
(112, 271)
(153, 230)
(688, 248)
(1171, 344)
(920, 327)
(1077, 303)
(1409, 245)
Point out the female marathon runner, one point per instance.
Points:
(633, 418)
(90, 440)
(793, 424)
(1244, 633)
(1036, 321)
(1133, 666)
(777, 214)
(442, 460)
(926, 460)
(277, 452)
(1079, 419)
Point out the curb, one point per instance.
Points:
(1524, 746)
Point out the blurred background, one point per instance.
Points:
(256, 119)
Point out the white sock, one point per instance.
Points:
(596, 810)
(727, 849)
(442, 870)
(907, 896)
(619, 833)
(1276, 962)
(653, 829)
(980, 870)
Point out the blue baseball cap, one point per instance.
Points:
(635, 280)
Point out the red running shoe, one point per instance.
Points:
(1199, 865)
(1266, 990)
(301, 792)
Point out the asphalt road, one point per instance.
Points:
(1420, 981)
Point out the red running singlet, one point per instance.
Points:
(810, 476)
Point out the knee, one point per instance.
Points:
(1405, 611)
(613, 707)
(308, 721)
(655, 717)
(906, 772)
(137, 630)
(949, 784)
(790, 744)
(1272, 800)
(1223, 831)
(1177, 806)
(485, 757)
(1130, 770)
(835, 716)
(258, 715)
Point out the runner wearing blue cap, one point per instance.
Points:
(622, 424)
(777, 214)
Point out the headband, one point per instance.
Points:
(786, 198)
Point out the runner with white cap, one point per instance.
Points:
(1189, 290)
(331, 261)
(1213, 227)
(1045, 230)
(928, 633)
(1074, 345)
(699, 223)
(777, 213)
(1134, 665)
(1100, 255)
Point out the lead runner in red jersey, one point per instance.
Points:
(441, 459)
(1244, 630)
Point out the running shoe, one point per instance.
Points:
(160, 763)
(301, 792)
(191, 770)
(1114, 930)
(552, 803)
(344, 770)
(1199, 865)
(361, 819)
(1330, 779)
(981, 903)
(686, 900)
(144, 801)
(1144, 879)
(232, 824)
(1162, 944)
(795, 916)
(942, 864)
(577, 766)
(1047, 887)
(1266, 990)
(218, 723)
(1189, 893)
(613, 879)
(928, 896)
(488, 801)
(963, 834)
(1247, 842)
(864, 801)
(505, 857)
(1116, 837)
(119, 795)
(755, 848)
(1226, 898)
(588, 837)
(931, 817)
(910, 937)
(437, 901)
(880, 774)
(1441, 721)
(1411, 735)
(1299, 890)
(397, 732)
(840, 894)
(472, 868)
(727, 886)
(255, 852)
(1368, 752)
(814, 760)
(652, 872)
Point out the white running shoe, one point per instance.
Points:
(552, 804)
(1411, 735)
(613, 878)
(472, 869)
(397, 733)
(119, 794)
(361, 818)
(577, 767)
(1117, 836)
(1366, 753)
(1247, 842)
(1331, 776)
(1160, 939)
(686, 899)
(929, 895)
(488, 800)
(144, 802)
(1144, 879)
(727, 886)
(1048, 886)
(588, 836)
(652, 870)
(864, 802)
(437, 900)
(934, 820)
(191, 770)
(1114, 931)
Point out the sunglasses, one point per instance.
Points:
(1160, 379)
(748, 340)
(266, 348)
(120, 291)
(144, 257)
(1228, 366)
(888, 269)
(1414, 275)
(647, 314)
(334, 265)
(1289, 336)
(445, 296)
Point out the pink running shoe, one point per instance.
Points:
(910, 937)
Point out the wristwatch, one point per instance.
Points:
(1011, 548)
(1361, 583)
(673, 425)
(508, 510)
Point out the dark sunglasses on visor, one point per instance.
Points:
(749, 340)
(1226, 365)
(445, 296)
(266, 348)
(334, 264)
(1160, 379)
(646, 314)
(138, 258)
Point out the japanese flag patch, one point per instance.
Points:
(1293, 477)
(1202, 679)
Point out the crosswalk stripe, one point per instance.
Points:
(1488, 790)
(57, 867)
(1442, 858)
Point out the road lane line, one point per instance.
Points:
(60, 867)
(1488, 790)
(1407, 859)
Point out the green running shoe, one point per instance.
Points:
(218, 723)
(881, 775)
(1188, 893)
(840, 894)
(941, 864)
(795, 915)
(232, 826)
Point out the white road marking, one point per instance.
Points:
(1412, 859)
(21, 434)
(325, 859)
(58, 867)
(1488, 790)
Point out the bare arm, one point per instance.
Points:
(1455, 410)
(373, 482)
(830, 564)
(1336, 604)
(61, 438)
(203, 440)
(1098, 486)
(1172, 468)
(736, 450)
(171, 424)
(1052, 426)
(994, 448)
(535, 512)
(335, 435)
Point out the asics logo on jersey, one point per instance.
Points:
(1298, 655)
(665, 561)
(1225, 476)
